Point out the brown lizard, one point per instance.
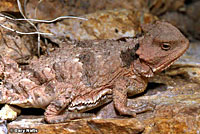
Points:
(85, 75)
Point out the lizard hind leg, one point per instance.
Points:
(54, 114)
(91, 100)
(75, 106)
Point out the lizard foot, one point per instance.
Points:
(144, 108)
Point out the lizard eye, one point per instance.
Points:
(165, 46)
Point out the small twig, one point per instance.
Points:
(30, 21)
(46, 21)
(24, 32)
(20, 10)
(56, 19)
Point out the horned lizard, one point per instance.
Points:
(87, 74)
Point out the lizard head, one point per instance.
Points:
(161, 45)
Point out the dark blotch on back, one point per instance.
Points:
(129, 55)
(87, 58)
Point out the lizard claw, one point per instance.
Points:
(124, 110)
(144, 108)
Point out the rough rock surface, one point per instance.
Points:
(191, 57)
(188, 20)
(9, 5)
(46, 9)
(85, 126)
(177, 107)
(9, 112)
(108, 24)
(177, 110)
(158, 7)
(19, 47)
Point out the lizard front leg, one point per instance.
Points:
(124, 87)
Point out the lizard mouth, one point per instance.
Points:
(163, 66)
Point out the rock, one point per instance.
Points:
(9, 5)
(9, 112)
(188, 21)
(46, 9)
(182, 21)
(174, 119)
(191, 57)
(19, 47)
(177, 109)
(158, 7)
(189, 73)
(193, 10)
(3, 127)
(109, 24)
(84, 126)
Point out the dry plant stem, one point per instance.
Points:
(46, 21)
(23, 32)
(30, 21)
(20, 9)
